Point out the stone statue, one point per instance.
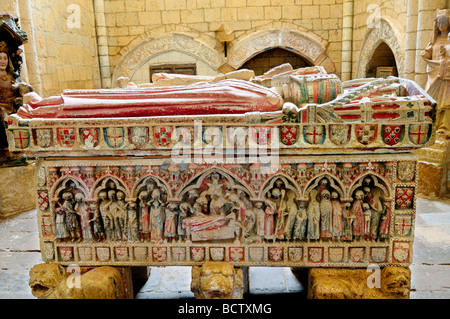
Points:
(313, 213)
(144, 217)
(437, 57)
(51, 281)
(72, 224)
(82, 209)
(217, 280)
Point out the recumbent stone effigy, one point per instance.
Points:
(293, 169)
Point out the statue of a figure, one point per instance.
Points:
(437, 57)
(11, 91)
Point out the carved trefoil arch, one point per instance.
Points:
(295, 41)
(135, 57)
(387, 32)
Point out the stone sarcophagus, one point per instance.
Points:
(295, 170)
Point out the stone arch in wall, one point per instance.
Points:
(385, 31)
(298, 42)
(148, 48)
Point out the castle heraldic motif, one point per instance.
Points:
(292, 169)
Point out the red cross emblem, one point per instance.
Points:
(114, 136)
(21, 138)
(402, 225)
(314, 134)
(419, 133)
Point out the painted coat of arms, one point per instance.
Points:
(162, 136)
(178, 254)
(402, 225)
(295, 254)
(336, 254)
(103, 253)
(197, 253)
(261, 135)
(275, 254)
(159, 254)
(42, 199)
(43, 137)
(256, 254)
(140, 253)
(66, 253)
(21, 138)
(217, 253)
(90, 137)
(121, 253)
(314, 134)
(401, 251)
(404, 197)
(288, 135)
(138, 136)
(356, 254)
(340, 133)
(315, 254)
(366, 134)
(406, 171)
(392, 134)
(419, 133)
(85, 253)
(66, 137)
(114, 136)
(236, 254)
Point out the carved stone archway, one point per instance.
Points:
(387, 32)
(298, 42)
(151, 47)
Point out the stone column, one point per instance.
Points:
(102, 43)
(30, 52)
(425, 18)
(347, 38)
(411, 34)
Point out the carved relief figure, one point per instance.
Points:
(97, 222)
(313, 213)
(144, 217)
(119, 212)
(347, 218)
(269, 222)
(106, 215)
(357, 213)
(291, 211)
(157, 216)
(436, 55)
(72, 224)
(326, 211)
(301, 220)
(60, 220)
(259, 213)
(170, 226)
(133, 222)
(82, 209)
(337, 215)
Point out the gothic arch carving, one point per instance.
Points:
(378, 180)
(333, 181)
(142, 182)
(289, 183)
(296, 41)
(388, 32)
(153, 46)
(102, 184)
(233, 180)
(68, 182)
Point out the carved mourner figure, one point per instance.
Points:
(301, 220)
(72, 224)
(338, 225)
(133, 222)
(107, 218)
(170, 225)
(326, 211)
(99, 233)
(157, 216)
(313, 213)
(82, 209)
(60, 220)
(357, 213)
(260, 219)
(144, 217)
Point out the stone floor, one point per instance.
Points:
(19, 251)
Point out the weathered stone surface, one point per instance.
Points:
(17, 191)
